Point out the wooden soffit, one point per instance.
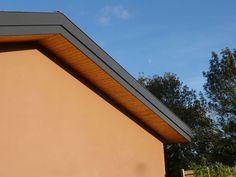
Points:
(56, 34)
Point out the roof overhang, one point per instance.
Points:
(58, 35)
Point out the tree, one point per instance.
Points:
(192, 110)
(221, 91)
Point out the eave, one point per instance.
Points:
(57, 34)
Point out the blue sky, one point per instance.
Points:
(153, 36)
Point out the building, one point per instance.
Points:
(67, 109)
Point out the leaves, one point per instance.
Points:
(212, 119)
(192, 109)
(221, 90)
(214, 170)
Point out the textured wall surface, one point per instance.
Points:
(52, 125)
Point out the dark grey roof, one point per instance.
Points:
(23, 23)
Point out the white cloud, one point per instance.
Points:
(104, 20)
(149, 61)
(109, 13)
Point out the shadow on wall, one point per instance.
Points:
(141, 170)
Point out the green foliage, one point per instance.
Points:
(214, 170)
(221, 83)
(212, 120)
(192, 110)
(199, 170)
(221, 90)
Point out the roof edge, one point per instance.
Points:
(99, 56)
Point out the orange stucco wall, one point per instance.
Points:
(52, 125)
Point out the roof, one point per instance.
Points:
(59, 36)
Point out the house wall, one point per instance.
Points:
(52, 125)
